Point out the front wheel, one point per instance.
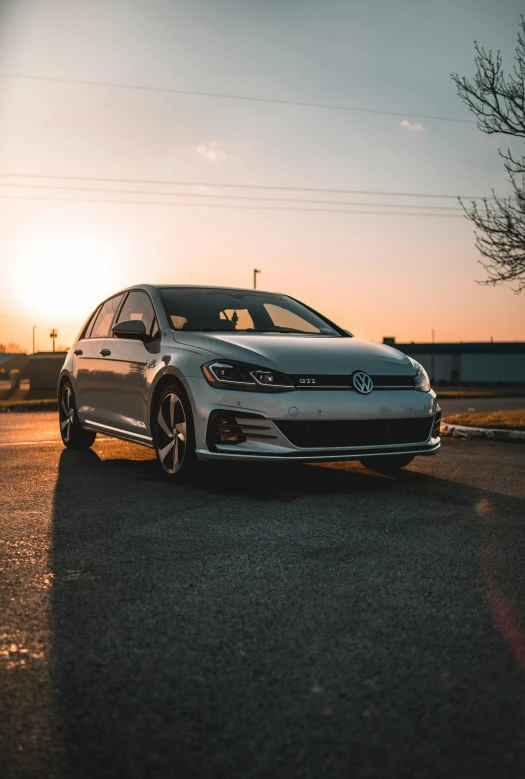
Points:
(389, 464)
(174, 434)
(72, 432)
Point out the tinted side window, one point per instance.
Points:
(105, 318)
(139, 306)
(87, 330)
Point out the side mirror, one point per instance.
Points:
(130, 328)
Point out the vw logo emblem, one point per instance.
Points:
(362, 382)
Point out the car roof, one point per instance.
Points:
(212, 286)
(152, 288)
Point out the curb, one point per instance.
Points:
(40, 405)
(491, 433)
(477, 395)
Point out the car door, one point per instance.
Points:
(88, 362)
(126, 366)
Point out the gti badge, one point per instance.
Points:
(306, 381)
(362, 382)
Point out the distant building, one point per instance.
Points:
(44, 368)
(13, 362)
(489, 363)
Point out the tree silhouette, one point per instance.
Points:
(498, 101)
(12, 348)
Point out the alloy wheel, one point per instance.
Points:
(67, 413)
(171, 436)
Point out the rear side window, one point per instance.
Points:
(139, 306)
(105, 317)
(88, 328)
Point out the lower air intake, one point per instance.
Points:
(374, 432)
(437, 425)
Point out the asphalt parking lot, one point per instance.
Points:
(300, 621)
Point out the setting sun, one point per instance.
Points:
(61, 278)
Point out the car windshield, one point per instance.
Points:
(240, 311)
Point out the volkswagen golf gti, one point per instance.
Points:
(213, 373)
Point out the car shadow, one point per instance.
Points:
(289, 621)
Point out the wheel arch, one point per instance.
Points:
(64, 376)
(168, 379)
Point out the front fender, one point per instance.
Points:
(160, 380)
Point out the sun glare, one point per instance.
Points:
(61, 279)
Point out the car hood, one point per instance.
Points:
(302, 354)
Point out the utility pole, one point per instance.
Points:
(433, 341)
(34, 328)
(53, 335)
(255, 272)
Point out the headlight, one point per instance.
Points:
(421, 380)
(224, 374)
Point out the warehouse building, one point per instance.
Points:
(490, 364)
(12, 362)
(44, 369)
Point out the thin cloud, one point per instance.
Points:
(211, 151)
(412, 126)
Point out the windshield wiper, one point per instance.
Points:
(287, 332)
(248, 330)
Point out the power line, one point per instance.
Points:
(220, 185)
(221, 205)
(228, 96)
(226, 197)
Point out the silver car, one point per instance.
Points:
(215, 373)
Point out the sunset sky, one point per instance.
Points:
(376, 274)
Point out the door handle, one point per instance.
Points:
(78, 352)
(105, 352)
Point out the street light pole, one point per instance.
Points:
(34, 328)
(53, 334)
(255, 272)
(432, 370)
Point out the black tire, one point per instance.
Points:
(389, 464)
(73, 434)
(174, 434)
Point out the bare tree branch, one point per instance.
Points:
(498, 102)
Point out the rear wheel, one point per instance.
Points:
(389, 464)
(173, 434)
(72, 432)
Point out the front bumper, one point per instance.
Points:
(307, 406)
(317, 456)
